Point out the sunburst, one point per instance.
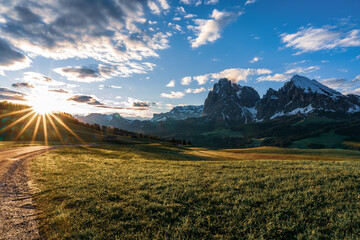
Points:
(43, 114)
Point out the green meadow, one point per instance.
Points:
(144, 190)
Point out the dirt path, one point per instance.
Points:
(17, 213)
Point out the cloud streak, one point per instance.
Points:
(7, 94)
(233, 74)
(22, 85)
(209, 30)
(343, 85)
(101, 72)
(325, 38)
(173, 94)
(278, 77)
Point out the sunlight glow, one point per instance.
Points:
(41, 110)
(45, 129)
(36, 128)
(44, 103)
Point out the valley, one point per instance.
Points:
(142, 189)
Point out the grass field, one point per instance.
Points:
(155, 191)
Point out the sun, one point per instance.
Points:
(42, 108)
(43, 104)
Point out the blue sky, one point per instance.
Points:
(146, 56)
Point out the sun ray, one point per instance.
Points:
(16, 112)
(66, 127)
(17, 121)
(36, 128)
(45, 129)
(55, 128)
(26, 126)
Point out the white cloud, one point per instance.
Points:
(300, 70)
(343, 85)
(177, 27)
(154, 7)
(208, 31)
(110, 86)
(314, 39)
(211, 2)
(164, 4)
(239, 74)
(102, 72)
(233, 74)
(190, 16)
(173, 94)
(191, 2)
(202, 79)
(185, 80)
(250, 2)
(157, 8)
(181, 10)
(197, 90)
(255, 59)
(187, 2)
(171, 83)
(40, 79)
(276, 78)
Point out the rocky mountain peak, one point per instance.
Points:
(310, 86)
(230, 102)
(302, 95)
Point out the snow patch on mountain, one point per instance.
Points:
(313, 86)
(305, 110)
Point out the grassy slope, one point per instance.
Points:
(155, 191)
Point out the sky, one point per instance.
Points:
(142, 57)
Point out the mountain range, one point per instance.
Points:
(303, 113)
(231, 104)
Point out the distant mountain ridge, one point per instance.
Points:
(114, 119)
(180, 113)
(230, 104)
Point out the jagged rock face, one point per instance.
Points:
(180, 113)
(302, 95)
(231, 103)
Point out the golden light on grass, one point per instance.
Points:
(45, 128)
(25, 127)
(36, 128)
